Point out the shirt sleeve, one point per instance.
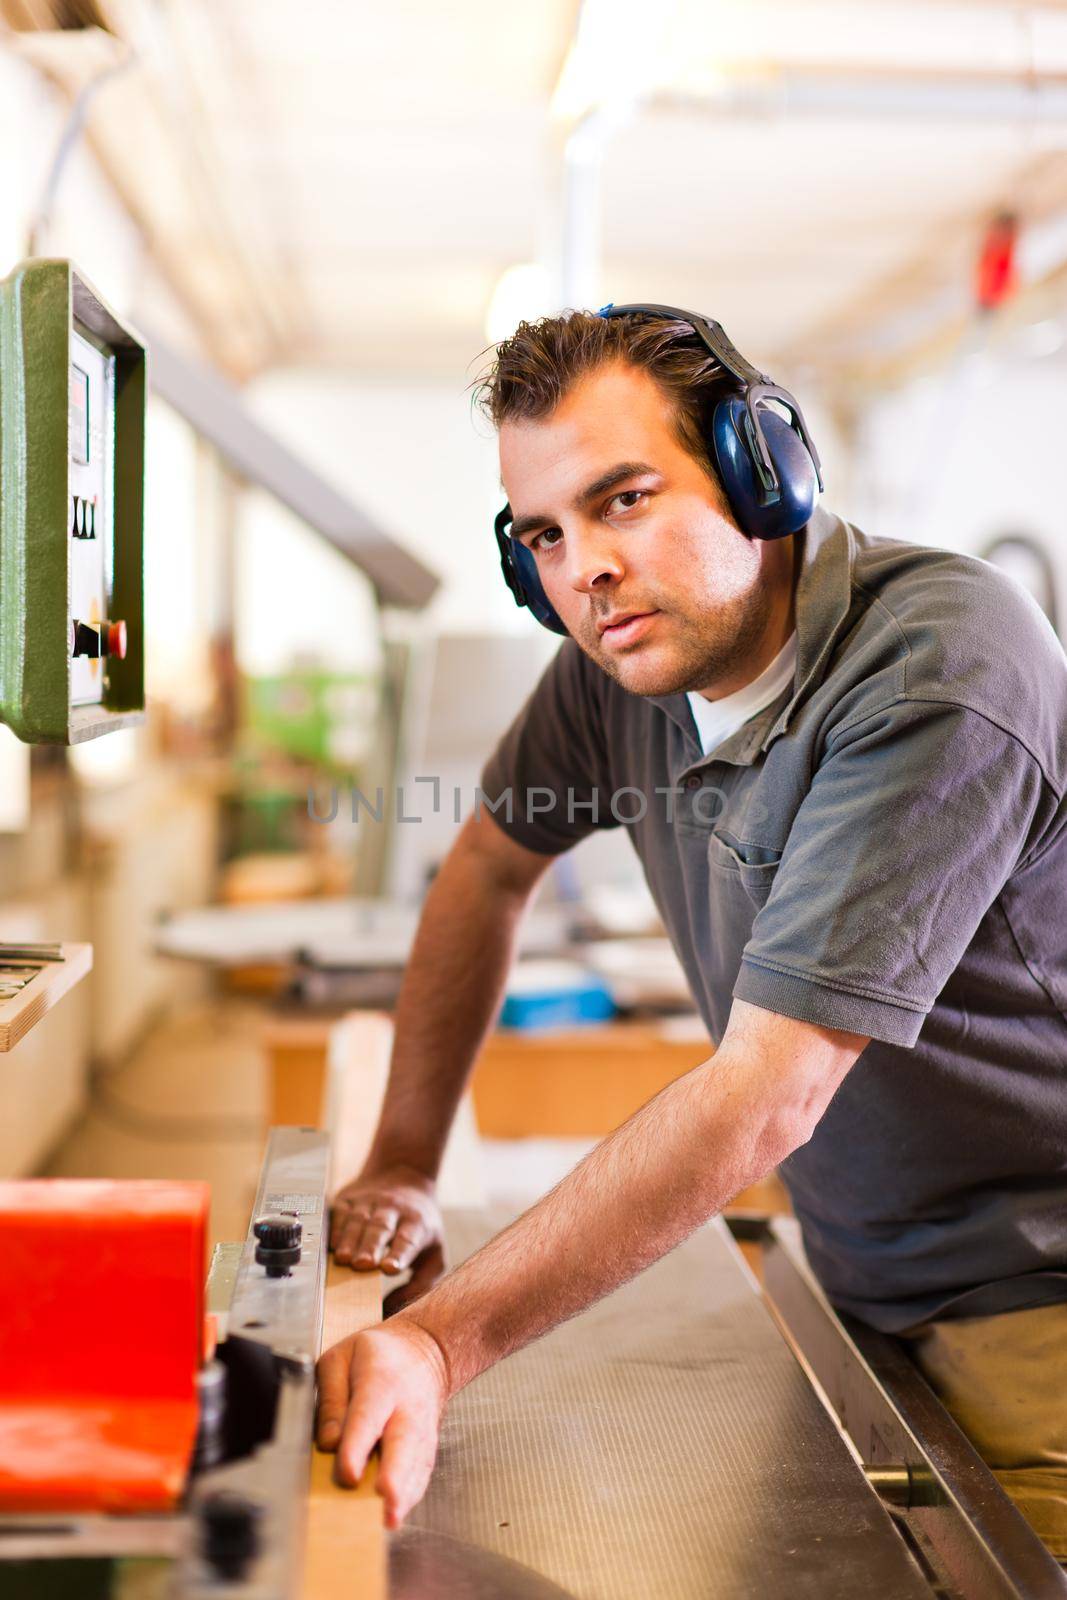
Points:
(913, 823)
(548, 782)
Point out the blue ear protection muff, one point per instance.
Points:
(521, 575)
(766, 462)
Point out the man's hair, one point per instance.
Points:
(534, 369)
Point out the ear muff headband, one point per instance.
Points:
(768, 464)
(757, 388)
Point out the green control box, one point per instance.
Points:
(72, 432)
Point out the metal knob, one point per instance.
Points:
(278, 1247)
(230, 1533)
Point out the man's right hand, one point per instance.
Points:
(389, 1219)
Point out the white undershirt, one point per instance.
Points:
(716, 720)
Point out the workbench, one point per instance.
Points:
(573, 1082)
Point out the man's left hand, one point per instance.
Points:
(387, 1384)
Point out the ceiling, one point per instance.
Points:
(342, 185)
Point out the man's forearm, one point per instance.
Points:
(676, 1163)
(451, 990)
(673, 1165)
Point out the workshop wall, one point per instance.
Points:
(967, 455)
(422, 460)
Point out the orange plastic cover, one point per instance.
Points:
(101, 1330)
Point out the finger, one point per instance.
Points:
(363, 1427)
(345, 1205)
(428, 1268)
(347, 1220)
(364, 1241)
(333, 1385)
(410, 1237)
(409, 1446)
(347, 1238)
(376, 1237)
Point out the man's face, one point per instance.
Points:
(633, 542)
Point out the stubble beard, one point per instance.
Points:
(704, 649)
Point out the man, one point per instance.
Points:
(845, 761)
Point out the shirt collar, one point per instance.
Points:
(822, 603)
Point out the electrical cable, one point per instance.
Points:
(72, 130)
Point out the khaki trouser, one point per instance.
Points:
(1004, 1380)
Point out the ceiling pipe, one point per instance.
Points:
(614, 62)
(581, 264)
(872, 96)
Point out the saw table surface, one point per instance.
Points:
(665, 1443)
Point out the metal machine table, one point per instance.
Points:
(664, 1444)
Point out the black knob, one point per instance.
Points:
(278, 1232)
(279, 1239)
(231, 1535)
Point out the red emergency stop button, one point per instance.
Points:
(116, 640)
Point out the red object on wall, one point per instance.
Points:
(995, 276)
(101, 1335)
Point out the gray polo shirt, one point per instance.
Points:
(883, 849)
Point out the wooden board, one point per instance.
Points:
(296, 1049)
(345, 1553)
(53, 978)
(356, 1073)
(345, 1550)
(330, 1072)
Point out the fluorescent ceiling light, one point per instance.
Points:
(618, 55)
